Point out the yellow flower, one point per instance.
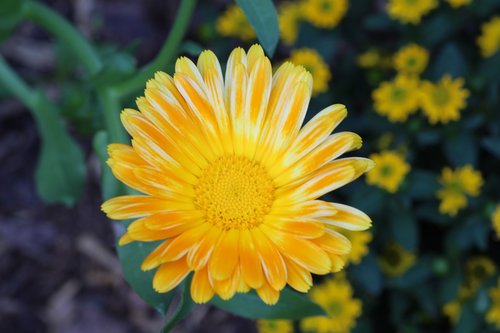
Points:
(312, 61)
(495, 220)
(442, 102)
(275, 326)
(397, 99)
(389, 171)
(359, 243)
(458, 3)
(231, 181)
(477, 270)
(455, 185)
(452, 310)
(233, 23)
(489, 40)
(410, 11)
(395, 260)
(289, 17)
(368, 59)
(335, 296)
(411, 59)
(493, 314)
(324, 13)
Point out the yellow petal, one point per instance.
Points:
(272, 263)
(169, 275)
(348, 217)
(301, 251)
(180, 245)
(185, 66)
(333, 242)
(305, 209)
(236, 105)
(224, 259)
(199, 254)
(227, 288)
(304, 228)
(173, 221)
(134, 206)
(251, 268)
(165, 183)
(125, 239)
(268, 294)
(201, 290)
(154, 258)
(298, 277)
(255, 53)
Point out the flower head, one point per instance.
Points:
(410, 11)
(442, 101)
(231, 181)
(411, 59)
(489, 40)
(397, 99)
(455, 186)
(274, 326)
(395, 260)
(477, 270)
(493, 314)
(458, 3)
(312, 61)
(389, 171)
(233, 23)
(495, 220)
(335, 295)
(324, 13)
(289, 17)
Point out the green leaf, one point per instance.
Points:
(492, 145)
(291, 305)
(263, 17)
(423, 184)
(436, 29)
(60, 172)
(191, 48)
(11, 14)
(461, 150)
(449, 61)
(404, 228)
(118, 67)
(185, 306)
(367, 275)
(418, 273)
(131, 257)
(469, 321)
(489, 69)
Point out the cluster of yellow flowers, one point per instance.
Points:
(440, 102)
(477, 270)
(456, 185)
(412, 11)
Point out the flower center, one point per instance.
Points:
(386, 171)
(334, 308)
(326, 5)
(235, 193)
(411, 62)
(398, 94)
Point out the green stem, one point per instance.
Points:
(16, 86)
(60, 27)
(166, 54)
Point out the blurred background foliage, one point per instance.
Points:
(421, 81)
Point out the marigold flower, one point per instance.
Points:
(275, 326)
(389, 171)
(289, 17)
(324, 13)
(335, 295)
(395, 260)
(231, 181)
(489, 40)
(411, 59)
(458, 3)
(397, 99)
(493, 314)
(442, 101)
(233, 23)
(410, 11)
(456, 185)
(312, 61)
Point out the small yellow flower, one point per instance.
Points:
(289, 17)
(489, 40)
(411, 59)
(368, 59)
(442, 101)
(389, 171)
(452, 310)
(495, 220)
(231, 181)
(233, 23)
(312, 61)
(477, 270)
(458, 3)
(324, 13)
(410, 11)
(274, 326)
(493, 314)
(397, 99)
(455, 186)
(335, 295)
(359, 245)
(395, 260)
